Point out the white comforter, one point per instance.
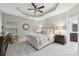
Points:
(39, 40)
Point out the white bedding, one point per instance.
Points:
(39, 40)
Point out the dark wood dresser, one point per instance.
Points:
(1, 45)
(60, 39)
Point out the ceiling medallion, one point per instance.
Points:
(37, 10)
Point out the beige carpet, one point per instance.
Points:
(53, 49)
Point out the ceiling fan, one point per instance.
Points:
(36, 9)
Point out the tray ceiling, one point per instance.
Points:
(23, 8)
(49, 9)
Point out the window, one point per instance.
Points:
(74, 27)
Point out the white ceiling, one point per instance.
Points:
(25, 7)
(11, 9)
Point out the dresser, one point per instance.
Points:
(1, 45)
(60, 39)
(4, 44)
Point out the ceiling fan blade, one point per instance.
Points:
(40, 11)
(31, 9)
(33, 5)
(40, 7)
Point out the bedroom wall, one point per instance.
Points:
(0, 23)
(58, 20)
(20, 21)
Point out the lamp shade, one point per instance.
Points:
(59, 30)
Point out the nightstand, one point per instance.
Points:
(1, 45)
(14, 39)
(60, 39)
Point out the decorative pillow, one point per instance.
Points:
(51, 36)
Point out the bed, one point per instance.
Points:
(38, 41)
